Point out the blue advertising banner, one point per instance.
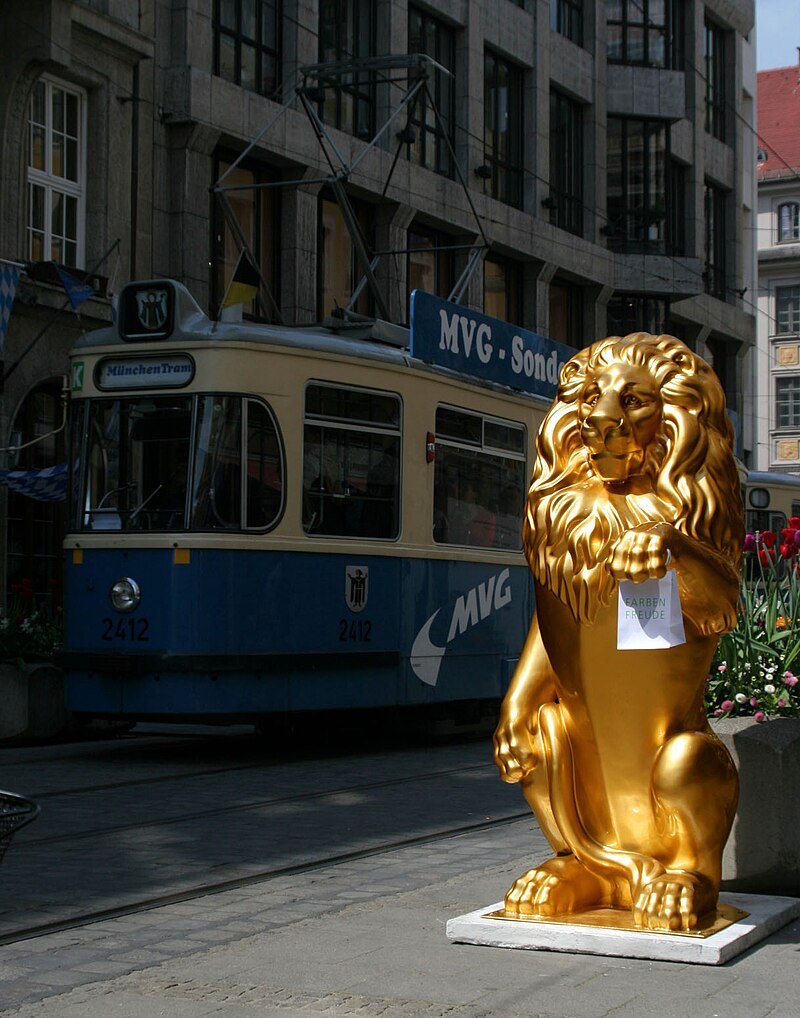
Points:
(472, 343)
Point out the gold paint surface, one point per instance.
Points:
(634, 476)
(618, 919)
(182, 556)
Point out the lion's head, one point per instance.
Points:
(638, 433)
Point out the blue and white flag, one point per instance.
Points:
(46, 485)
(76, 290)
(9, 277)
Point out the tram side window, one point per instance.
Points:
(479, 480)
(264, 492)
(136, 466)
(351, 462)
(217, 490)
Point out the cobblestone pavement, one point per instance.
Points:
(367, 937)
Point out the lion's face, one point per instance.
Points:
(620, 414)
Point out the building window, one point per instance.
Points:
(502, 97)
(247, 43)
(716, 72)
(502, 289)
(644, 32)
(340, 269)
(347, 32)
(637, 160)
(431, 266)
(676, 207)
(56, 173)
(787, 309)
(628, 313)
(566, 18)
(566, 163)
(566, 314)
(715, 272)
(256, 210)
(351, 462)
(789, 221)
(36, 529)
(479, 480)
(787, 401)
(433, 138)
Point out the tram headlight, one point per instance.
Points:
(125, 594)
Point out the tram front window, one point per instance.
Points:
(138, 455)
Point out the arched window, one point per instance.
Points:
(36, 529)
(789, 221)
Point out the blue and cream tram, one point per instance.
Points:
(266, 520)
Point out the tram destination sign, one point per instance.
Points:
(471, 343)
(160, 372)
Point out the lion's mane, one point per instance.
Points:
(695, 483)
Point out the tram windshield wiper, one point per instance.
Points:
(135, 512)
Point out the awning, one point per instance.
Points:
(47, 485)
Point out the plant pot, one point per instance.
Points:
(762, 855)
(31, 701)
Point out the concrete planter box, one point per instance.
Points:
(763, 852)
(31, 701)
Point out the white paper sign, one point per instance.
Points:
(650, 616)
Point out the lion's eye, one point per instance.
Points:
(630, 402)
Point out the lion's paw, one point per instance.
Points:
(558, 887)
(673, 901)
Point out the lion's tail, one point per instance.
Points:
(610, 862)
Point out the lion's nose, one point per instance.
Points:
(606, 415)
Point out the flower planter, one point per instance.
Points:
(763, 852)
(31, 701)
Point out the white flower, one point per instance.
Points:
(769, 688)
(740, 698)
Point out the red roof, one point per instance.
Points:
(778, 121)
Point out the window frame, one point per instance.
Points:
(792, 404)
(653, 209)
(360, 427)
(635, 16)
(566, 18)
(439, 42)
(50, 182)
(365, 215)
(441, 516)
(443, 258)
(715, 216)
(359, 93)
(793, 234)
(566, 163)
(505, 181)
(261, 49)
(715, 59)
(512, 288)
(791, 309)
(263, 234)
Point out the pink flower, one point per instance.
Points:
(718, 712)
(759, 716)
(753, 702)
(789, 679)
(781, 702)
(727, 705)
(749, 542)
(723, 667)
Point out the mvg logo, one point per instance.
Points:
(470, 609)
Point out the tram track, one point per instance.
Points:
(145, 904)
(218, 810)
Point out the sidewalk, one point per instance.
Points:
(368, 938)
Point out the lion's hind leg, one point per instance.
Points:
(560, 886)
(695, 788)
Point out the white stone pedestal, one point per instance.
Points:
(766, 915)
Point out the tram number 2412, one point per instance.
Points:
(126, 629)
(355, 630)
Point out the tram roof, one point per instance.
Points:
(185, 322)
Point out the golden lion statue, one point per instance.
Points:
(635, 475)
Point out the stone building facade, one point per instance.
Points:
(599, 157)
(778, 383)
